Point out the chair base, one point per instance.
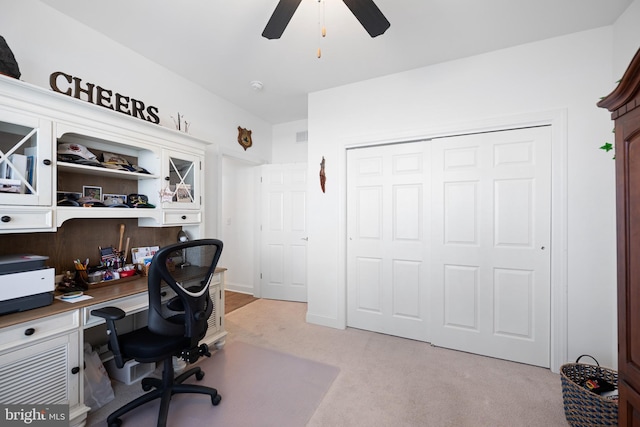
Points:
(163, 389)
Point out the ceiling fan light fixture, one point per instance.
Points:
(365, 11)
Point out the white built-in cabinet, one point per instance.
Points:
(26, 165)
(40, 359)
(40, 362)
(34, 121)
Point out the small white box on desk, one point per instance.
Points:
(132, 371)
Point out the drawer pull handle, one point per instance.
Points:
(163, 294)
(75, 370)
(29, 332)
(5, 218)
(47, 162)
(166, 178)
(183, 217)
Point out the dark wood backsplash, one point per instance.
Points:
(81, 239)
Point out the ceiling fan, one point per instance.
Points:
(365, 11)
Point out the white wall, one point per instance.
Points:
(566, 74)
(285, 148)
(626, 34)
(44, 41)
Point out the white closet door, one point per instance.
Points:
(284, 232)
(448, 242)
(388, 236)
(490, 246)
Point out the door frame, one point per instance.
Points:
(253, 163)
(557, 119)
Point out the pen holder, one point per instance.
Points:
(82, 279)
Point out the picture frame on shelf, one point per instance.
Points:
(93, 192)
(183, 193)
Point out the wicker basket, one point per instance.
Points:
(583, 408)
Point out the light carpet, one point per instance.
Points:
(259, 387)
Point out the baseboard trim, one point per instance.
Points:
(324, 321)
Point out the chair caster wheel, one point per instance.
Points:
(215, 400)
(199, 375)
(115, 423)
(145, 387)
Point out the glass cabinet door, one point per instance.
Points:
(25, 160)
(181, 181)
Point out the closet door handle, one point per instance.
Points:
(29, 332)
(47, 162)
(75, 370)
(5, 218)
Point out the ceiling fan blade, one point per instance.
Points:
(280, 18)
(369, 16)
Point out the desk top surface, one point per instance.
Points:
(102, 293)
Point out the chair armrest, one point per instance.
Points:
(109, 313)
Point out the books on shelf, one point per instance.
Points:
(8, 185)
(13, 178)
(31, 153)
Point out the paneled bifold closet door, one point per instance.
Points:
(491, 234)
(388, 239)
(480, 279)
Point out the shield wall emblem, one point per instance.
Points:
(244, 138)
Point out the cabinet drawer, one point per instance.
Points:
(182, 217)
(132, 304)
(36, 330)
(23, 219)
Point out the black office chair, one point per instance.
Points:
(174, 328)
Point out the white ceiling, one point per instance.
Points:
(218, 44)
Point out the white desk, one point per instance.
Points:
(41, 349)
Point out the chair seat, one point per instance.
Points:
(145, 346)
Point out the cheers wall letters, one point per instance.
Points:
(102, 97)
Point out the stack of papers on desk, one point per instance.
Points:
(143, 255)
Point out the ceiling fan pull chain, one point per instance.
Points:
(323, 29)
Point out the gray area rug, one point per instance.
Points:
(259, 388)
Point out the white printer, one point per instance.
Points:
(25, 283)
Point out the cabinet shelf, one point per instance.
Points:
(64, 213)
(41, 121)
(92, 170)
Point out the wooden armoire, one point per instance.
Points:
(624, 105)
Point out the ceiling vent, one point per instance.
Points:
(302, 136)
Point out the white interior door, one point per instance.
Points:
(388, 236)
(448, 242)
(283, 273)
(491, 235)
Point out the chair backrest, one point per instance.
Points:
(191, 284)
